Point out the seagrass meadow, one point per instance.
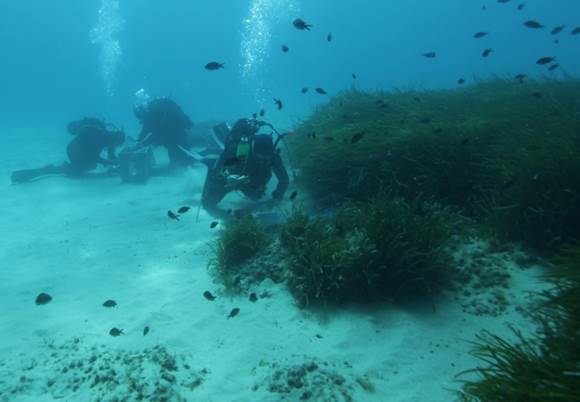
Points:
(503, 152)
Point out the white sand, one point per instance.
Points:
(87, 241)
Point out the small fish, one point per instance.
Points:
(110, 303)
(503, 1)
(301, 25)
(172, 215)
(229, 211)
(461, 81)
(553, 67)
(537, 95)
(545, 60)
(483, 8)
(575, 31)
(43, 298)
(235, 311)
(253, 297)
(304, 90)
(353, 75)
(285, 48)
(533, 24)
(254, 116)
(557, 30)
(479, 35)
(145, 330)
(262, 112)
(521, 77)
(311, 134)
(183, 209)
(293, 195)
(486, 52)
(425, 120)
(328, 138)
(207, 294)
(430, 55)
(438, 130)
(521, 6)
(214, 65)
(278, 103)
(116, 332)
(465, 141)
(329, 37)
(321, 91)
(417, 99)
(213, 224)
(556, 41)
(357, 137)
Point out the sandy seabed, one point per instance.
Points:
(86, 241)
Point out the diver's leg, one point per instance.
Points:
(22, 176)
(177, 157)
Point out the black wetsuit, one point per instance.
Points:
(84, 151)
(165, 124)
(91, 138)
(258, 169)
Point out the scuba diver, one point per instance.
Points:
(163, 124)
(246, 164)
(91, 137)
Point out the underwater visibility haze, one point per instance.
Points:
(263, 200)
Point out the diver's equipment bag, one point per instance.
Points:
(136, 164)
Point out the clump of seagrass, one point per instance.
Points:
(381, 250)
(240, 241)
(545, 368)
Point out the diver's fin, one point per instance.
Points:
(222, 130)
(22, 176)
(208, 160)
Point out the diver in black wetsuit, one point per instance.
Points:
(165, 124)
(245, 165)
(91, 137)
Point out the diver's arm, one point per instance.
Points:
(282, 176)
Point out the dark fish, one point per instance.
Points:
(285, 48)
(262, 112)
(115, 332)
(417, 99)
(575, 31)
(479, 35)
(521, 77)
(172, 215)
(254, 116)
(214, 65)
(278, 103)
(229, 211)
(521, 7)
(213, 224)
(486, 52)
(304, 90)
(425, 120)
(357, 137)
(430, 55)
(329, 37)
(545, 60)
(235, 311)
(311, 134)
(353, 76)
(556, 41)
(461, 81)
(464, 141)
(558, 29)
(293, 195)
(321, 91)
(301, 25)
(553, 67)
(537, 95)
(328, 138)
(503, 1)
(110, 303)
(184, 209)
(533, 24)
(207, 294)
(253, 297)
(145, 330)
(43, 298)
(483, 8)
(438, 130)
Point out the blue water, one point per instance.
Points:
(52, 72)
